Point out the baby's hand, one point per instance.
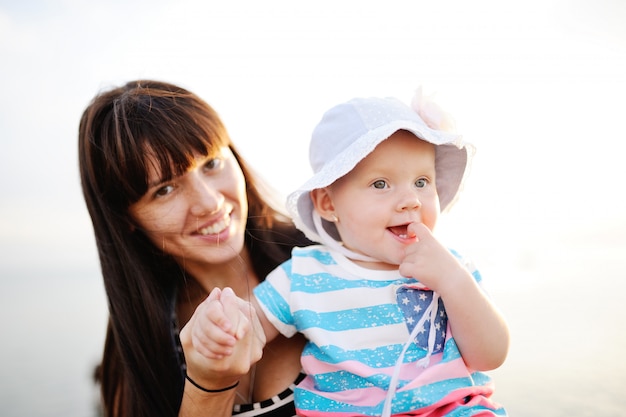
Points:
(222, 340)
(427, 260)
(220, 321)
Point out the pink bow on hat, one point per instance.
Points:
(431, 113)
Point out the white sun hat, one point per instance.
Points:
(350, 131)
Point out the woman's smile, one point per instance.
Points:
(217, 226)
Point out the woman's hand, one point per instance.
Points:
(222, 340)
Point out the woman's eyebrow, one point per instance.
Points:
(157, 182)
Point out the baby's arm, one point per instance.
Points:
(479, 329)
(268, 328)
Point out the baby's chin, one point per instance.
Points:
(379, 264)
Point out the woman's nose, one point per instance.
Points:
(204, 198)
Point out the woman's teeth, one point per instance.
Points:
(215, 227)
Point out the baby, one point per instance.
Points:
(397, 324)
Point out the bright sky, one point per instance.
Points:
(538, 86)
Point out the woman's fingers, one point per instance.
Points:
(236, 311)
(223, 338)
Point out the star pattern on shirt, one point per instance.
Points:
(413, 302)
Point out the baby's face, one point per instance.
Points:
(389, 189)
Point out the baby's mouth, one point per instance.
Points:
(400, 231)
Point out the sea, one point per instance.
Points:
(565, 303)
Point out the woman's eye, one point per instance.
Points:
(213, 164)
(421, 183)
(380, 184)
(163, 191)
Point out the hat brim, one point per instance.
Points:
(452, 157)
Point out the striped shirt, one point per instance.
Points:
(357, 322)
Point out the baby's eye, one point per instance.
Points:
(379, 184)
(421, 183)
(163, 191)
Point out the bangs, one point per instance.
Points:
(159, 130)
(171, 144)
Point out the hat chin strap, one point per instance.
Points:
(429, 315)
(329, 241)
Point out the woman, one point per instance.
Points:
(176, 213)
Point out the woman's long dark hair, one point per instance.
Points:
(141, 372)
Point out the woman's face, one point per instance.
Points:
(199, 217)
